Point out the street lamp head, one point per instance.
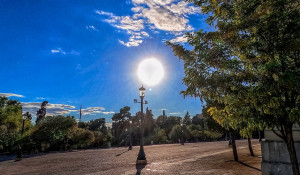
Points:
(142, 91)
(26, 115)
(135, 100)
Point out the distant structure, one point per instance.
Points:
(41, 113)
(164, 114)
(80, 113)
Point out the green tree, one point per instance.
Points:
(250, 63)
(10, 123)
(160, 121)
(53, 132)
(159, 136)
(120, 124)
(171, 122)
(196, 120)
(97, 125)
(149, 123)
(179, 132)
(187, 119)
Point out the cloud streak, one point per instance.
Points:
(62, 109)
(94, 111)
(11, 95)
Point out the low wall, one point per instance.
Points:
(275, 156)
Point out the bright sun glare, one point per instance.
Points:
(150, 71)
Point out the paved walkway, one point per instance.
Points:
(205, 158)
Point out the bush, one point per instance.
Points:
(159, 136)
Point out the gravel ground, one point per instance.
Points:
(213, 158)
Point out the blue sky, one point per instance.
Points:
(74, 53)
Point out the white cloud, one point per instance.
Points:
(91, 27)
(58, 51)
(174, 113)
(180, 39)
(109, 112)
(164, 15)
(96, 108)
(95, 111)
(61, 51)
(40, 98)
(11, 95)
(134, 27)
(52, 109)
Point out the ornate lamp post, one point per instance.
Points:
(141, 159)
(130, 133)
(182, 142)
(25, 116)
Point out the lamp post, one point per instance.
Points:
(130, 132)
(25, 116)
(141, 159)
(182, 142)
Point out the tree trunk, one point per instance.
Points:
(235, 154)
(250, 147)
(230, 139)
(292, 151)
(259, 136)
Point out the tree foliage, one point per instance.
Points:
(249, 63)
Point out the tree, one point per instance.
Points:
(160, 121)
(97, 125)
(121, 123)
(250, 61)
(52, 131)
(196, 120)
(170, 122)
(10, 123)
(41, 113)
(149, 122)
(187, 119)
(159, 136)
(179, 132)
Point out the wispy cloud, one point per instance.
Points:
(95, 111)
(175, 113)
(91, 27)
(58, 51)
(52, 109)
(40, 98)
(165, 15)
(11, 95)
(179, 39)
(62, 52)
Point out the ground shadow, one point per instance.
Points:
(122, 153)
(139, 169)
(249, 166)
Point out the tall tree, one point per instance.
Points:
(149, 122)
(121, 123)
(187, 119)
(10, 123)
(41, 113)
(250, 61)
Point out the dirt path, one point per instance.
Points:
(192, 158)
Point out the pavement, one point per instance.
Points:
(204, 158)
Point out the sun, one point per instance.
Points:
(150, 71)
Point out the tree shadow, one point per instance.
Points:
(249, 166)
(139, 169)
(122, 153)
